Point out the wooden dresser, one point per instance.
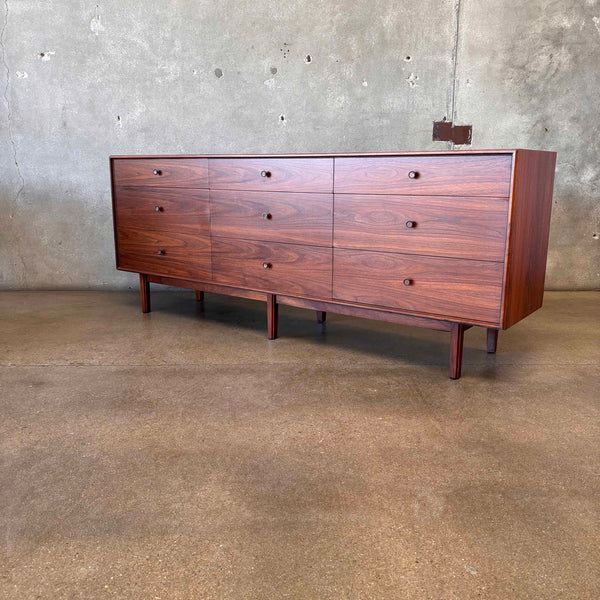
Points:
(445, 240)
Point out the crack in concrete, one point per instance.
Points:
(455, 61)
(8, 106)
(11, 138)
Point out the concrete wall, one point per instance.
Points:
(83, 80)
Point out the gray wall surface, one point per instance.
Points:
(83, 80)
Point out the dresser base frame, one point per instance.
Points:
(455, 328)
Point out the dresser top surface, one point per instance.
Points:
(511, 151)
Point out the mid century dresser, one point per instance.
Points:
(445, 240)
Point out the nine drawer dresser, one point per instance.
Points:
(445, 240)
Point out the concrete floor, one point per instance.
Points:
(182, 455)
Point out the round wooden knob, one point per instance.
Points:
(267, 216)
(157, 172)
(265, 173)
(407, 282)
(413, 174)
(410, 224)
(161, 252)
(267, 265)
(158, 209)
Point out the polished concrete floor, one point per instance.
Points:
(180, 454)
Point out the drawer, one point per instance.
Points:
(472, 228)
(273, 267)
(272, 174)
(159, 172)
(444, 175)
(272, 216)
(179, 254)
(449, 287)
(163, 209)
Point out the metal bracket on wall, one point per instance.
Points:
(444, 131)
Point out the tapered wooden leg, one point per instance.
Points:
(457, 334)
(199, 296)
(321, 316)
(145, 293)
(272, 311)
(492, 340)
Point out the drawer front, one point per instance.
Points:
(179, 254)
(272, 174)
(459, 175)
(163, 209)
(161, 172)
(472, 228)
(272, 216)
(277, 268)
(466, 289)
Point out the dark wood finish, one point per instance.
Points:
(457, 334)
(225, 290)
(475, 175)
(295, 218)
(472, 228)
(273, 267)
(145, 293)
(492, 340)
(443, 240)
(171, 172)
(366, 312)
(272, 316)
(163, 209)
(321, 316)
(164, 253)
(199, 296)
(284, 175)
(529, 229)
(467, 289)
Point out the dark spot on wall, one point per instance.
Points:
(42, 54)
(218, 73)
(282, 117)
(273, 70)
(546, 129)
(308, 59)
(118, 118)
(596, 236)
(408, 58)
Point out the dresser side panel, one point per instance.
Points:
(529, 231)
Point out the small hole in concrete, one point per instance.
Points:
(308, 58)
(273, 70)
(42, 54)
(596, 236)
(118, 117)
(218, 73)
(282, 117)
(408, 58)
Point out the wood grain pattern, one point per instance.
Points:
(475, 175)
(299, 218)
(185, 255)
(286, 174)
(294, 269)
(458, 227)
(450, 287)
(185, 211)
(173, 172)
(528, 243)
